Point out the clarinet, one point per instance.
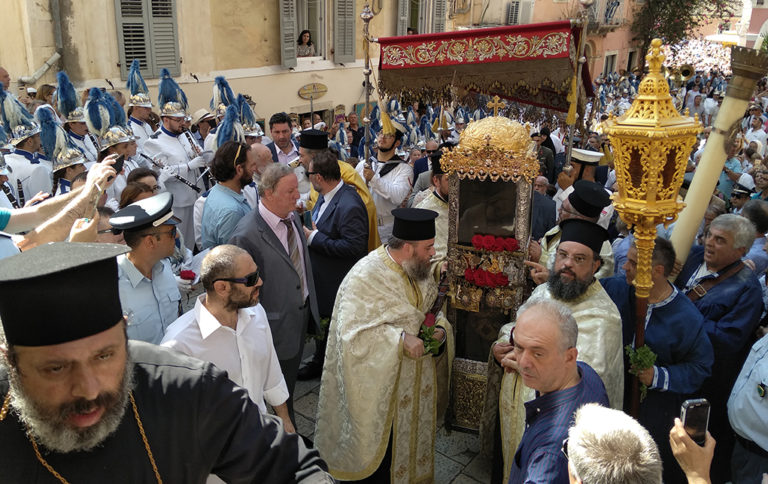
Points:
(9, 194)
(183, 180)
(20, 190)
(195, 147)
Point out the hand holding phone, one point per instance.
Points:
(695, 417)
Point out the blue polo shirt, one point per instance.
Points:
(5, 217)
(222, 211)
(538, 458)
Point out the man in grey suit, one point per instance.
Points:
(272, 234)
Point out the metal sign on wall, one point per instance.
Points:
(313, 91)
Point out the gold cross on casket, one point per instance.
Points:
(496, 104)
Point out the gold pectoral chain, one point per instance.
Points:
(4, 412)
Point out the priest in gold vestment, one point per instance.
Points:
(376, 412)
(437, 200)
(572, 283)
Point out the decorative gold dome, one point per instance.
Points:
(494, 147)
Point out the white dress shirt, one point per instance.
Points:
(245, 353)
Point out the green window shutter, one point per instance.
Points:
(288, 33)
(344, 31)
(163, 35)
(439, 13)
(403, 7)
(132, 34)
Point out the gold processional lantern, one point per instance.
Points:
(651, 144)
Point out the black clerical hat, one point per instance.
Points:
(414, 224)
(59, 292)
(584, 232)
(437, 168)
(150, 212)
(313, 139)
(589, 198)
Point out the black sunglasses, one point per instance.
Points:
(250, 280)
(431, 151)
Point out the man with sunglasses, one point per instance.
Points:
(148, 290)
(229, 328)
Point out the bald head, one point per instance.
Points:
(5, 78)
(263, 157)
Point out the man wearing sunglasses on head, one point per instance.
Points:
(149, 293)
(229, 328)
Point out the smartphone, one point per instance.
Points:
(695, 416)
(307, 219)
(118, 166)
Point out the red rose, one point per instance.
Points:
(429, 320)
(187, 275)
(498, 244)
(485, 279)
(469, 274)
(488, 241)
(513, 244)
(501, 279)
(477, 241)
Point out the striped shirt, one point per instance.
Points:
(538, 458)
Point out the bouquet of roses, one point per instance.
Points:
(483, 278)
(495, 244)
(427, 334)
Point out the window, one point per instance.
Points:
(299, 15)
(610, 64)
(425, 16)
(146, 30)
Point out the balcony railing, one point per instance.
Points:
(605, 15)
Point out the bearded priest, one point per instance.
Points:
(376, 414)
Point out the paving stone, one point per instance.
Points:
(459, 446)
(445, 469)
(307, 406)
(465, 479)
(479, 469)
(304, 387)
(304, 426)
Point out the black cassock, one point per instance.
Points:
(197, 423)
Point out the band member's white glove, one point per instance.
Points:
(164, 174)
(197, 162)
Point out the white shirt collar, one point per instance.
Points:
(208, 323)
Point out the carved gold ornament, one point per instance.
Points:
(651, 142)
(494, 148)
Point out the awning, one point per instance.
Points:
(726, 39)
(532, 64)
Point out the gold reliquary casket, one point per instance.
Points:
(491, 172)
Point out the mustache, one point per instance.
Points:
(83, 406)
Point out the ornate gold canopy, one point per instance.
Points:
(494, 147)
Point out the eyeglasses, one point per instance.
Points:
(577, 259)
(250, 280)
(431, 151)
(313, 173)
(112, 231)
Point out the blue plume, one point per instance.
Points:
(230, 128)
(375, 119)
(393, 108)
(461, 113)
(247, 117)
(116, 112)
(67, 96)
(135, 82)
(341, 135)
(3, 136)
(52, 136)
(338, 148)
(12, 111)
(426, 129)
(222, 93)
(169, 91)
(412, 119)
(430, 113)
(97, 112)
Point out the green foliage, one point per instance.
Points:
(431, 345)
(640, 359)
(676, 20)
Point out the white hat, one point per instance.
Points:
(586, 157)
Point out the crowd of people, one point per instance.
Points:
(342, 235)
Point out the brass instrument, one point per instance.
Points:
(687, 71)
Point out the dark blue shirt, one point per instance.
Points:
(538, 458)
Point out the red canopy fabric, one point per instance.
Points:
(533, 64)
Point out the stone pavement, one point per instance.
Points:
(457, 458)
